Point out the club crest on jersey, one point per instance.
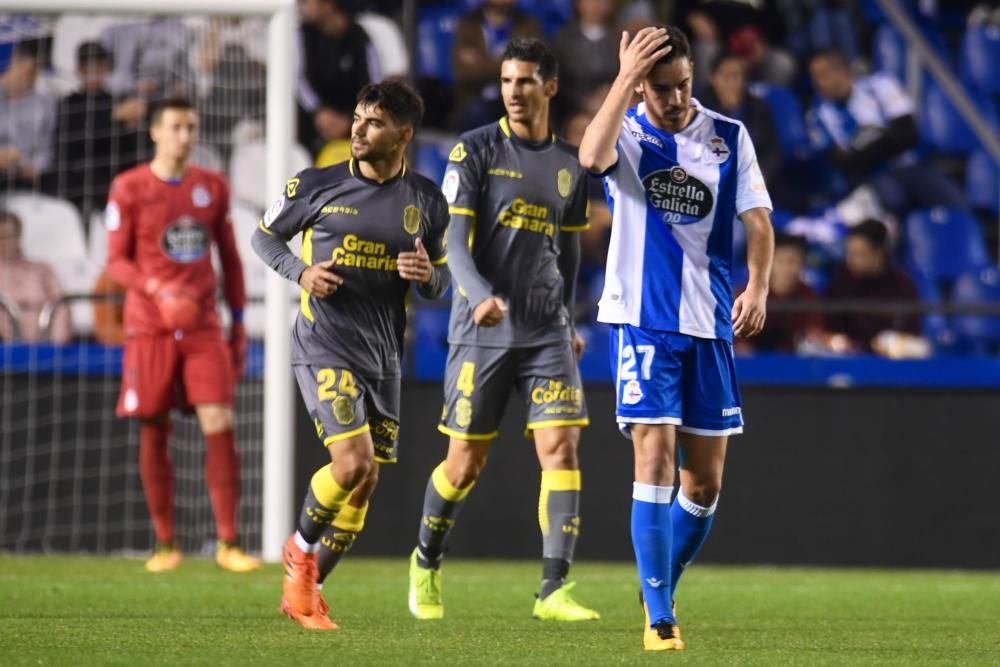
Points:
(563, 182)
(717, 151)
(680, 197)
(411, 219)
(458, 153)
(201, 197)
(185, 241)
(632, 393)
(292, 187)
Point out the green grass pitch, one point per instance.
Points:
(80, 611)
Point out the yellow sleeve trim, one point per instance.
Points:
(452, 433)
(575, 228)
(439, 262)
(457, 210)
(344, 436)
(581, 421)
(265, 229)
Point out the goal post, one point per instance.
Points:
(278, 453)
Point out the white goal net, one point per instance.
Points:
(75, 89)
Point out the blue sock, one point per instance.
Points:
(690, 523)
(651, 535)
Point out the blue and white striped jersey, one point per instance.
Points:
(874, 102)
(674, 199)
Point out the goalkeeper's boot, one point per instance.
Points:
(559, 605)
(318, 621)
(231, 557)
(299, 588)
(425, 591)
(664, 636)
(166, 557)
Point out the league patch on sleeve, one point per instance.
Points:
(272, 213)
(112, 217)
(450, 186)
(757, 178)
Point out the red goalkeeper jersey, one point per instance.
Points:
(165, 230)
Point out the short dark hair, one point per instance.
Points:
(679, 45)
(872, 230)
(829, 54)
(532, 50)
(9, 217)
(397, 98)
(721, 58)
(91, 52)
(175, 103)
(782, 240)
(35, 48)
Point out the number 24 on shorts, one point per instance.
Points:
(327, 378)
(627, 361)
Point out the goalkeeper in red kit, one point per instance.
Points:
(162, 220)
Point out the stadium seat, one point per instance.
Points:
(934, 325)
(982, 181)
(889, 52)
(789, 121)
(980, 332)
(206, 157)
(435, 34)
(53, 233)
(72, 30)
(248, 173)
(941, 126)
(390, 47)
(944, 243)
(431, 156)
(980, 58)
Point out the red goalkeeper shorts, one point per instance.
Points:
(164, 372)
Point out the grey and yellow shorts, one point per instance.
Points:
(478, 381)
(343, 404)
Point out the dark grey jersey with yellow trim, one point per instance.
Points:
(363, 226)
(513, 206)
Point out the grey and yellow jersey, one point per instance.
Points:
(514, 207)
(362, 226)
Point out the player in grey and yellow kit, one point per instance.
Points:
(369, 228)
(516, 195)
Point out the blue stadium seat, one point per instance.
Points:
(941, 126)
(944, 243)
(430, 344)
(983, 286)
(934, 325)
(789, 121)
(982, 181)
(889, 52)
(431, 158)
(435, 34)
(980, 58)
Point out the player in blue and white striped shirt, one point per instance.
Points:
(677, 177)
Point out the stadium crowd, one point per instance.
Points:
(879, 196)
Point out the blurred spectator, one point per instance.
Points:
(593, 240)
(150, 60)
(787, 331)
(109, 314)
(30, 285)
(587, 50)
(727, 93)
(765, 63)
(480, 38)
(91, 146)
(336, 60)
(815, 25)
(868, 274)
(232, 78)
(27, 120)
(867, 129)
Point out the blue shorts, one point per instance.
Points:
(663, 377)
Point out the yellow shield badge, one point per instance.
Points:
(343, 410)
(563, 181)
(463, 412)
(411, 219)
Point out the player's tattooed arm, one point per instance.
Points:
(750, 308)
